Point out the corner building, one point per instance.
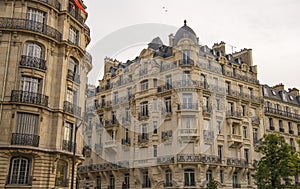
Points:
(175, 117)
(43, 65)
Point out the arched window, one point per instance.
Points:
(19, 172)
(33, 56)
(61, 173)
(189, 177)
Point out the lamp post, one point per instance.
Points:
(74, 152)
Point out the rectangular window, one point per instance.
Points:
(187, 101)
(115, 97)
(169, 81)
(168, 105)
(245, 132)
(36, 20)
(129, 93)
(154, 82)
(246, 155)
(189, 177)
(220, 152)
(168, 175)
(219, 127)
(255, 135)
(281, 129)
(249, 179)
(154, 127)
(250, 92)
(208, 175)
(31, 84)
(125, 184)
(186, 78)
(73, 36)
(227, 87)
(298, 129)
(144, 109)
(68, 131)
(235, 181)
(111, 182)
(154, 150)
(218, 104)
(240, 91)
(146, 180)
(144, 85)
(185, 57)
(243, 110)
(155, 105)
(127, 114)
(221, 177)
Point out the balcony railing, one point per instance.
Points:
(235, 185)
(19, 23)
(237, 162)
(54, 3)
(166, 135)
(164, 88)
(188, 106)
(125, 141)
(201, 158)
(72, 108)
(143, 115)
(29, 97)
(282, 113)
(63, 182)
(186, 62)
(25, 139)
(255, 120)
(143, 137)
(233, 114)
(33, 62)
(165, 159)
(68, 145)
(113, 122)
(76, 15)
(73, 76)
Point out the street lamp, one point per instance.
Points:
(74, 151)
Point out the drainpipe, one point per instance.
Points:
(6, 66)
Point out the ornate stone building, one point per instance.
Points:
(44, 66)
(175, 117)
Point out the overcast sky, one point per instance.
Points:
(271, 28)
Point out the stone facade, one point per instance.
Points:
(178, 115)
(43, 65)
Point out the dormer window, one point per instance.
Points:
(284, 97)
(273, 92)
(291, 97)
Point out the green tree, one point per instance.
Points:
(212, 184)
(279, 162)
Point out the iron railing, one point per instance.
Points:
(143, 137)
(73, 76)
(76, 15)
(282, 113)
(29, 97)
(19, 23)
(237, 162)
(25, 139)
(33, 62)
(54, 3)
(188, 106)
(72, 108)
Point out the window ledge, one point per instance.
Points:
(17, 186)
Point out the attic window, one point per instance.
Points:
(273, 92)
(291, 97)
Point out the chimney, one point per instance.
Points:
(279, 87)
(294, 91)
(171, 40)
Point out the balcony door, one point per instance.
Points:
(30, 84)
(36, 19)
(187, 100)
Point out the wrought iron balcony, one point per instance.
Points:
(237, 162)
(272, 128)
(235, 114)
(125, 141)
(73, 76)
(143, 115)
(282, 113)
(281, 129)
(33, 62)
(201, 158)
(72, 108)
(63, 182)
(54, 3)
(76, 15)
(166, 135)
(291, 131)
(143, 137)
(186, 62)
(19, 24)
(68, 145)
(164, 88)
(25, 139)
(188, 106)
(29, 97)
(113, 122)
(235, 185)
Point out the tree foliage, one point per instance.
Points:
(278, 164)
(212, 184)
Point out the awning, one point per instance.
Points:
(78, 4)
